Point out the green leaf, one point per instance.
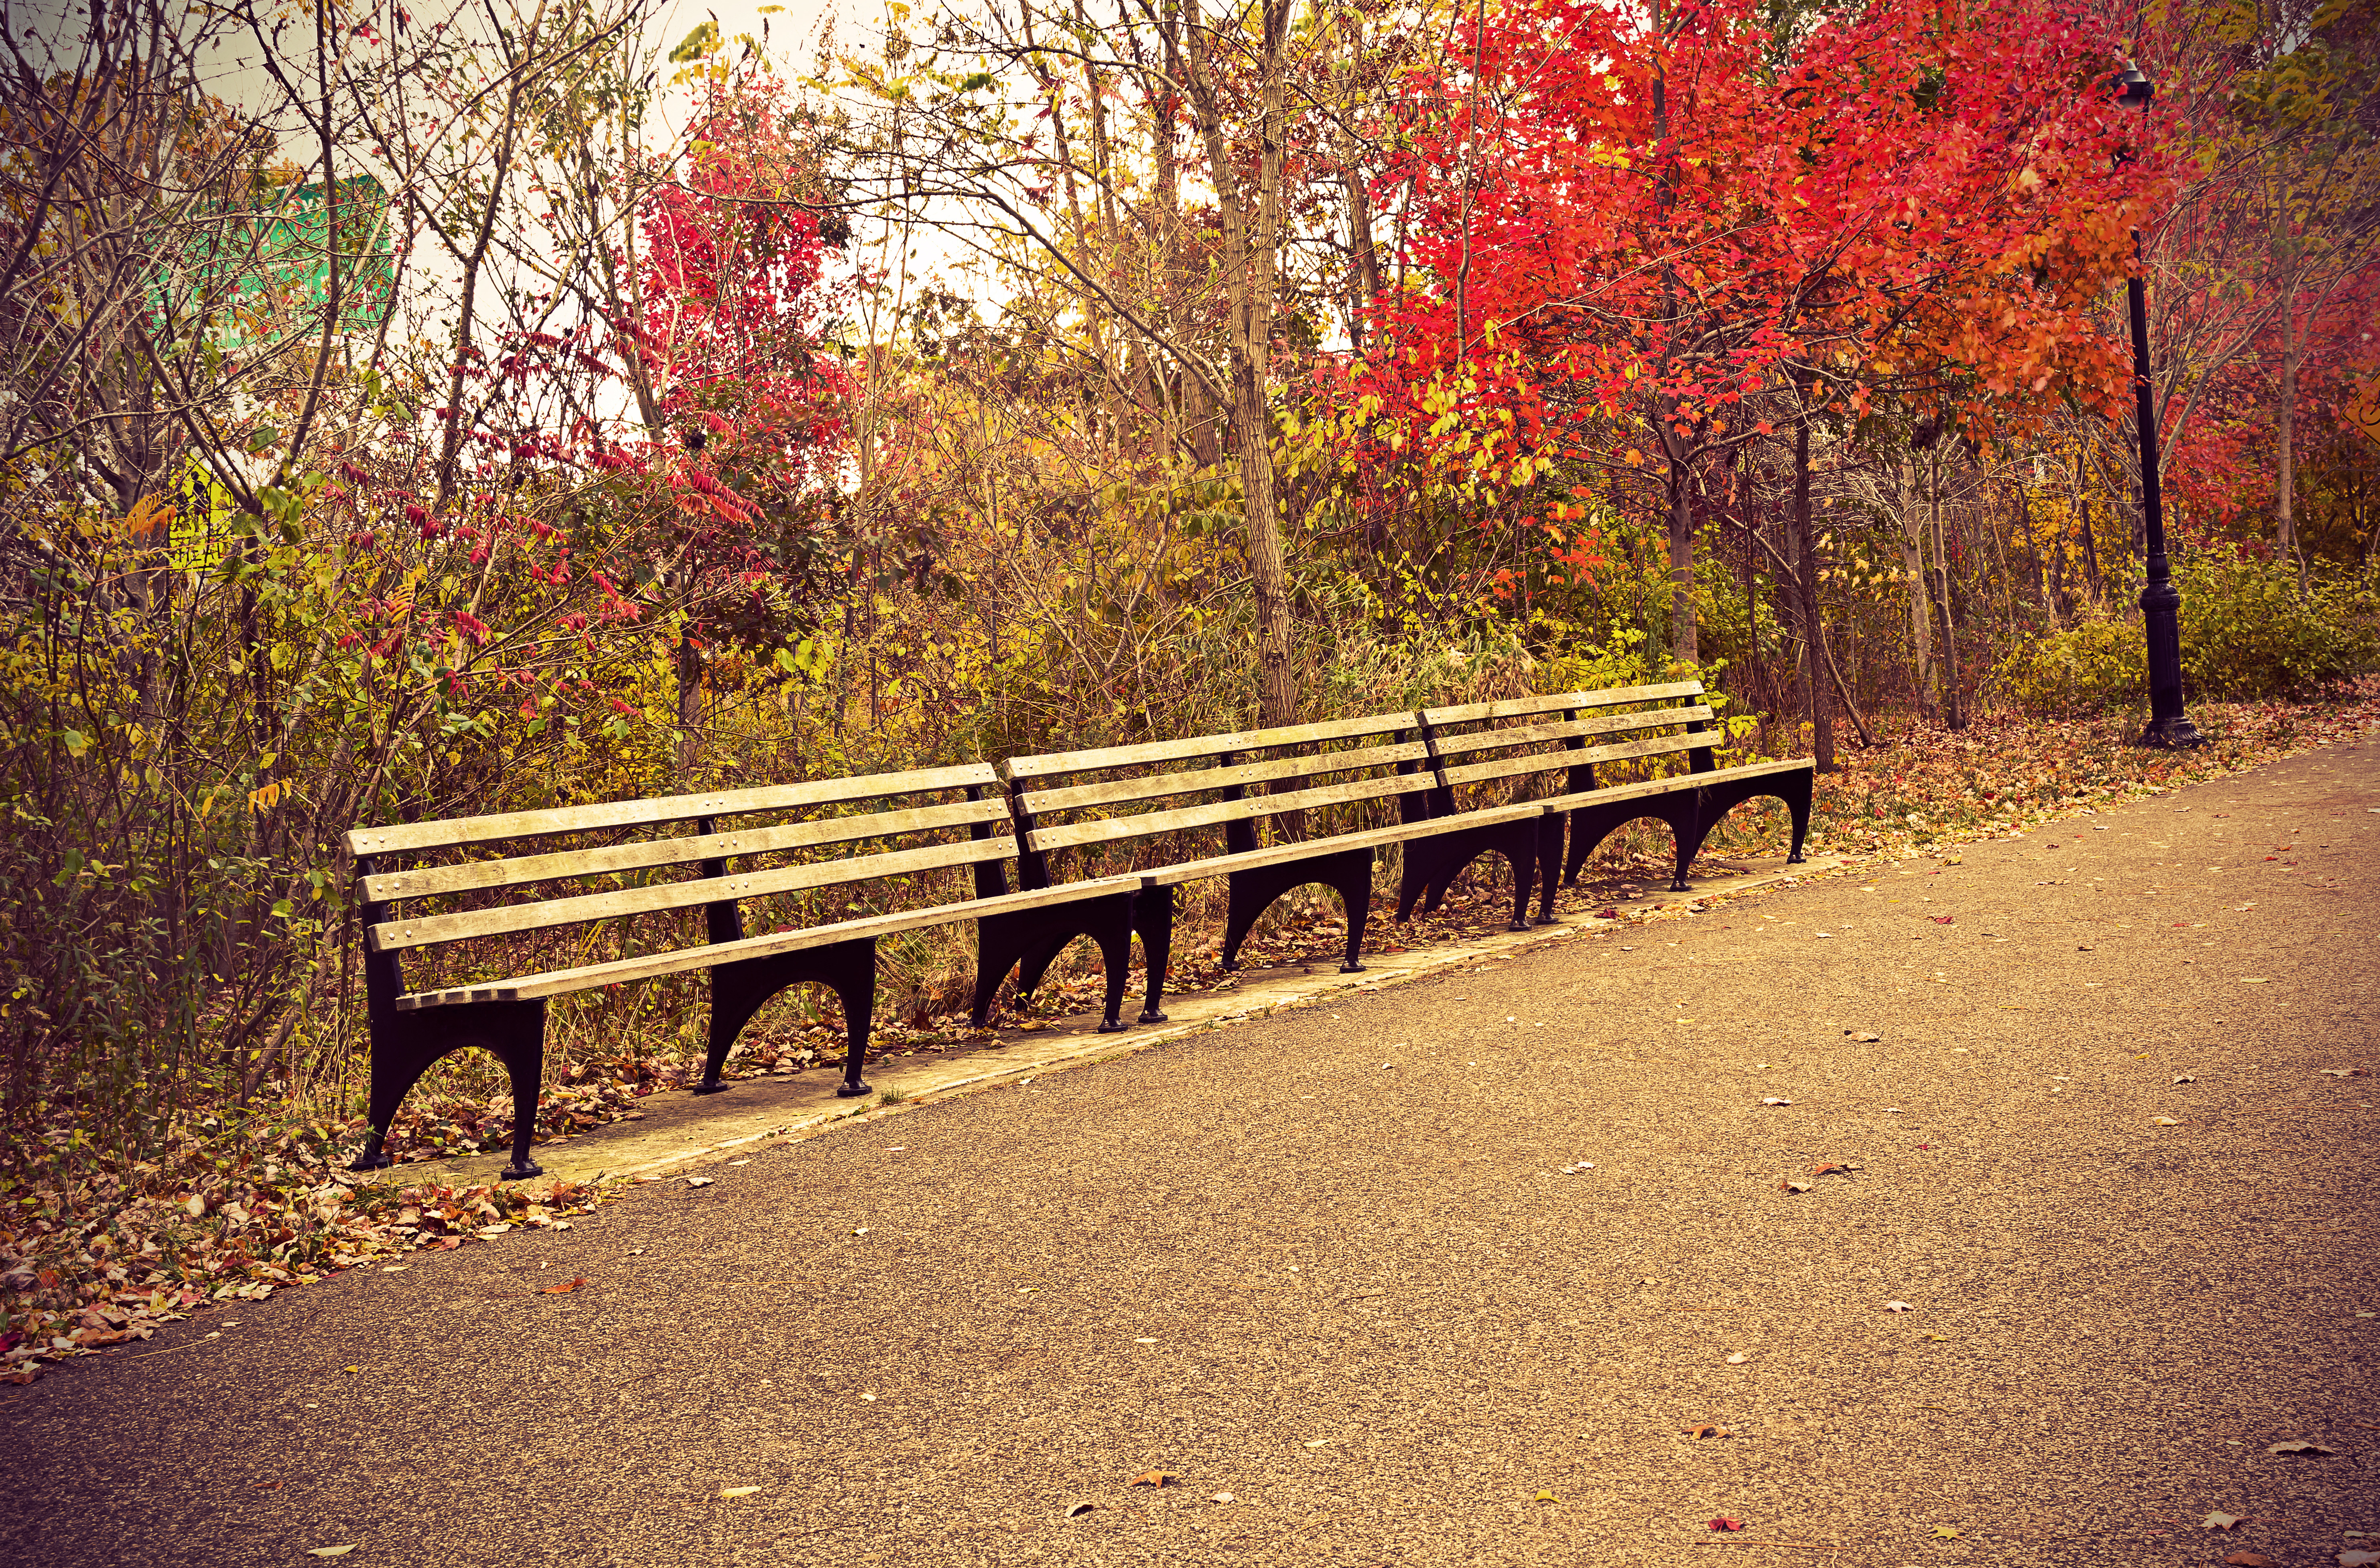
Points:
(76, 743)
(696, 44)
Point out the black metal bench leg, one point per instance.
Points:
(1153, 917)
(1115, 965)
(406, 1044)
(1795, 792)
(1686, 836)
(1521, 853)
(524, 1057)
(1356, 898)
(858, 994)
(1550, 857)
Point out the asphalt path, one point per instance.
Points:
(1327, 1271)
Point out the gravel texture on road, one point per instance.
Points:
(1341, 1274)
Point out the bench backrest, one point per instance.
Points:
(1478, 746)
(888, 829)
(1137, 803)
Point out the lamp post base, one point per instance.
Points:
(2175, 734)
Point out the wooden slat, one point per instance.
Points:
(430, 930)
(1315, 849)
(410, 837)
(1531, 734)
(1056, 765)
(1671, 785)
(1147, 823)
(1544, 762)
(1514, 707)
(467, 876)
(677, 960)
(1190, 781)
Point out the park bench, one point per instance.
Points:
(1465, 780)
(833, 865)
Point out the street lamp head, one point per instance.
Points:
(2132, 88)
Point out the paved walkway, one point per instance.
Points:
(1329, 1263)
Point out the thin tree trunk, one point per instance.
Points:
(1952, 715)
(1912, 563)
(1822, 718)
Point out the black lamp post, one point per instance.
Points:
(2160, 600)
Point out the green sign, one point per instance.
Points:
(258, 274)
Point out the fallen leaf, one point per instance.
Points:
(2344, 1072)
(1225, 1496)
(1545, 1497)
(1945, 1533)
(2359, 1559)
(2253, 980)
(1795, 1184)
(2300, 1446)
(2252, 1559)
(2219, 1520)
(701, 1181)
(2163, 1121)
(2187, 1078)
(738, 1492)
(1727, 1523)
(1898, 1307)
(1832, 1170)
(1776, 1100)
(1944, 920)
(1153, 1479)
(351, 1370)
(1738, 1359)
(1706, 1431)
(1320, 1442)
(330, 1550)
(563, 1287)
(1870, 1039)
(1076, 1510)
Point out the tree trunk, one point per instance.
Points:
(1250, 263)
(2285, 457)
(1950, 713)
(1822, 717)
(1913, 565)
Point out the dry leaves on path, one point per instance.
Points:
(2302, 1446)
(2219, 1520)
(1154, 1478)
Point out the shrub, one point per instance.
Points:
(2247, 631)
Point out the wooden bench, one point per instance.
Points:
(1465, 781)
(833, 865)
(1143, 809)
(1499, 754)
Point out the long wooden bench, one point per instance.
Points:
(828, 867)
(1465, 781)
(1102, 839)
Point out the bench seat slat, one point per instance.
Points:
(1530, 734)
(1144, 824)
(677, 960)
(467, 876)
(507, 919)
(1191, 781)
(456, 832)
(1059, 764)
(1516, 708)
(1546, 761)
(1554, 805)
(1396, 833)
